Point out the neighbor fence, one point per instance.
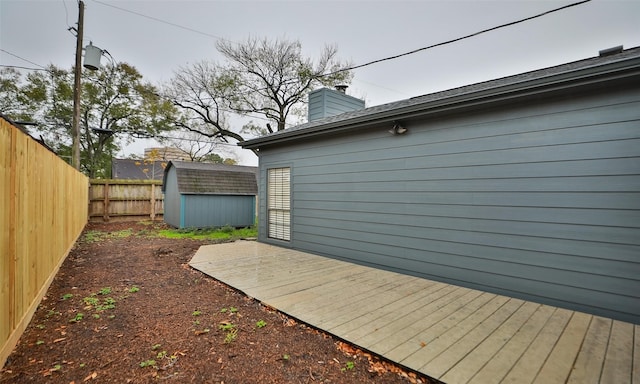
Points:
(43, 211)
(125, 200)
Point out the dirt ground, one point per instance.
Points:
(130, 310)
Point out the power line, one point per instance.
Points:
(66, 13)
(459, 38)
(21, 67)
(161, 20)
(22, 58)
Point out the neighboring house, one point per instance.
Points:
(135, 169)
(202, 195)
(527, 186)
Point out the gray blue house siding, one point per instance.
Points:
(536, 196)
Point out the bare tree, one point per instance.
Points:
(264, 79)
(200, 149)
(271, 78)
(202, 91)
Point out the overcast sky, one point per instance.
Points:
(36, 30)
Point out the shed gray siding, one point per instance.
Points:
(538, 199)
(171, 199)
(218, 210)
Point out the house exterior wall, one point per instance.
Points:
(202, 211)
(538, 199)
(171, 213)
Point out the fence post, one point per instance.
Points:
(105, 213)
(153, 202)
(13, 218)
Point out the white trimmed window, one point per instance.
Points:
(279, 203)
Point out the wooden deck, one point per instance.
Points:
(453, 334)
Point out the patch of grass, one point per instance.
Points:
(104, 291)
(67, 296)
(78, 317)
(223, 233)
(147, 363)
(106, 303)
(196, 313)
(231, 331)
(134, 289)
(39, 342)
(92, 301)
(96, 236)
(52, 312)
(261, 324)
(349, 365)
(93, 236)
(155, 346)
(231, 336)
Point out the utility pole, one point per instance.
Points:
(75, 129)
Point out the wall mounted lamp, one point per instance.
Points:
(397, 129)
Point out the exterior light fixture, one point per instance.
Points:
(397, 129)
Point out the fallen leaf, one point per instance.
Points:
(91, 376)
(59, 340)
(423, 344)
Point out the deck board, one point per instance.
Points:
(499, 366)
(588, 365)
(560, 362)
(618, 364)
(527, 367)
(485, 351)
(454, 334)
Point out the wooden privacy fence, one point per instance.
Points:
(125, 200)
(43, 211)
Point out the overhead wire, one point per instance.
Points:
(161, 20)
(22, 58)
(458, 38)
(21, 67)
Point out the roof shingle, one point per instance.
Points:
(211, 179)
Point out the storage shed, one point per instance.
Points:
(202, 195)
(527, 186)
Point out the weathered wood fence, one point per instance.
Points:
(125, 200)
(42, 213)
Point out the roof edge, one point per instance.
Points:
(599, 72)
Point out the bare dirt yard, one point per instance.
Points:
(126, 308)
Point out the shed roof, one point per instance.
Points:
(587, 71)
(213, 179)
